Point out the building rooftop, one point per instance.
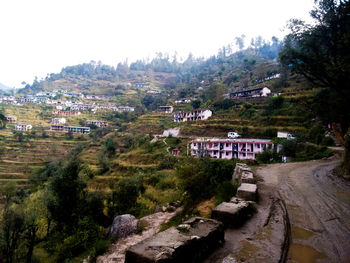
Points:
(226, 140)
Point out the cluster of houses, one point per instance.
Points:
(58, 124)
(65, 105)
(18, 126)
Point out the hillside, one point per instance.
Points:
(125, 167)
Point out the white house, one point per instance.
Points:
(23, 127)
(193, 115)
(285, 135)
(58, 121)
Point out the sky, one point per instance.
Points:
(38, 37)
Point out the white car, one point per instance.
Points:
(233, 135)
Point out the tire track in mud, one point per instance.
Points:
(318, 205)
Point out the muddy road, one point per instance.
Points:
(318, 205)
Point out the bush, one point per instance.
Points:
(200, 177)
(268, 157)
(99, 248)
(225, 191)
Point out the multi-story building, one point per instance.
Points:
(57, 127)
(193, 115)
(73, 129)
(76, 129)
(23, 127)
(97, 123)
(65, 113)
(228, 148)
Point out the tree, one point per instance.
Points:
(240, 42)
(12, 226)
(67, 189)
(321, 53)
(2, 120)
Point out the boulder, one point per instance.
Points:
(201, 237)
(247, 192)
(123, 226)
(233, 213)
(247, 177)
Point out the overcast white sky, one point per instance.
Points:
(42, 36)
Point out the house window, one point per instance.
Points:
(215, 152)
(215, 145)
(226, 144)
(244, 154)
(227, 153)
(258, 146)
(194, 144)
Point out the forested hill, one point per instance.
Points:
(235, 70)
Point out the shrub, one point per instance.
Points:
(225, 191)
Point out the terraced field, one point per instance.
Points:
(18, 159)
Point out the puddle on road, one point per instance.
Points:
(304, 254)
(301, 233)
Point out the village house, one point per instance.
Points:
(124, 109)
(228, 148)
(153, 91)
(97, 123)
(58, 121)
(165, 109)
(11, 119)
(285, 135)
(193, 115)
(252, 93)
(183, 101)
(141, 85)
(23, 127)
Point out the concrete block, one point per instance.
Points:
(247, 177)
(233, 213)
(247, 192)
(177, 245)
(239, 169)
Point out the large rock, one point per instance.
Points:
(247, 192)
(190, 242)
(247, 177)
(233, 213)
(123, 226)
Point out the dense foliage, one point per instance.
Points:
(321, 53)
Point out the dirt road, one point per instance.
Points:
(318, 205)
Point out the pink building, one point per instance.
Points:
(228, 148)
